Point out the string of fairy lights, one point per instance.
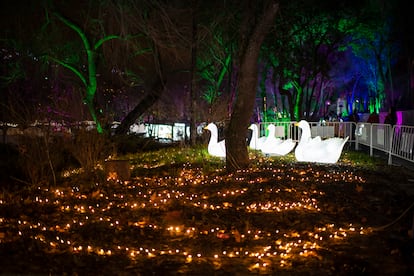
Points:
(182, 216)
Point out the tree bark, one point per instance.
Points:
(154, 94)
(289, 99)
(193, 81)
(152, 97)
(237, 156)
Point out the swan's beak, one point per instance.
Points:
(296, 124)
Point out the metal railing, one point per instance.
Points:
(395, 141)
(402, 143)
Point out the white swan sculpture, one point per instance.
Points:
(316, 149)
(276, 146)
(215, 148)
(256, 141)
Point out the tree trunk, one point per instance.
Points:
(151, 98)
(155, 92)
(287, 93)
(237, 156)
(193, 89)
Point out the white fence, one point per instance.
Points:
(324, 130)
(395, 141)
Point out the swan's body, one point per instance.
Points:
(215, 148)
(276, 146)
(256, 142)
(317, 150)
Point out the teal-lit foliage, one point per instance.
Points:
(213, 75)
(305, 44)
(214, 60)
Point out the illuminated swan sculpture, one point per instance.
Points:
(317, 150)
(215, 148)
(276, 146)
(256, 142)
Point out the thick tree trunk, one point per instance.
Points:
(237, 156)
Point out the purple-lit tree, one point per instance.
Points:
(374, 53)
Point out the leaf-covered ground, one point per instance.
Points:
(181, 213)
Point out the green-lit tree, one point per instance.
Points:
(213, 75)
(88, 77)
(299, 54)
(130, 60)
(215, 67)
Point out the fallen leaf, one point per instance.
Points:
(96, 194)
(395, 251)
(112, 176)
(237, 235)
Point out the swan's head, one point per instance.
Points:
(302, 124)
(253, 127)
(271, 127)
(211, 127)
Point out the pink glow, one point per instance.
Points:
(399, 118)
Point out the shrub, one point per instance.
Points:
(88, 148)
(40, 156)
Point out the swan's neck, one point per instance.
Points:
(306, 134)
(255, 132)
(214, 136)
(271, 133)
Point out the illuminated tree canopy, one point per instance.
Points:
(314, 54)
